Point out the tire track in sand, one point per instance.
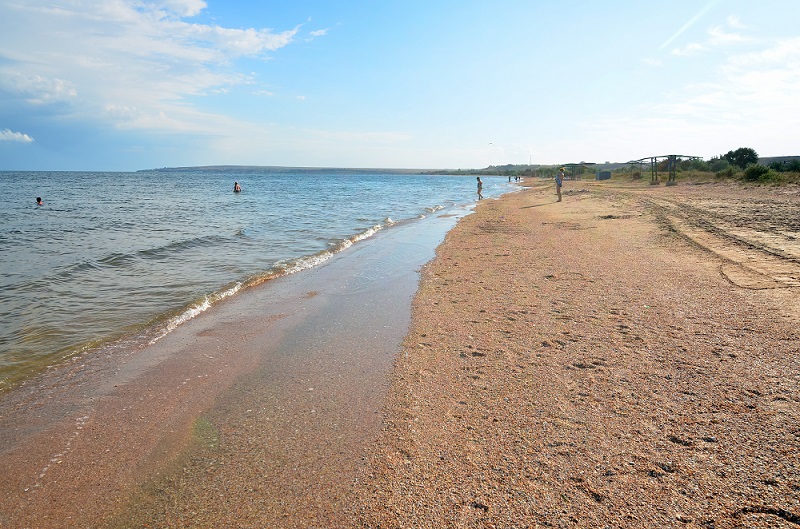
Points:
(751, 258)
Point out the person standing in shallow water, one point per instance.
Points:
(559, 183)
(480, 188)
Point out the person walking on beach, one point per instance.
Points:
(480, 188)
(559, 183)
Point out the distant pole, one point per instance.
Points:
(672, 164)
(654, 171)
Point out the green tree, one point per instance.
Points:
(718, 164)
(782, 167)
(756, 172)
(742, 157)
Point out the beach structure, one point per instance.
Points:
(672, 165)
(574, 171)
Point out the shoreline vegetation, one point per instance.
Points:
(774, 170)
(742, 165)
(627, 357)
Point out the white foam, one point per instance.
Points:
(284, 268)
(196, 310)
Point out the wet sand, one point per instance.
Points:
(625, 358)
(251, 414)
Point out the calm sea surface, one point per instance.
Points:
(113, 258)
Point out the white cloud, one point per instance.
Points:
(236, 42)
(130, 62)
(38, 90)
(751, 100)
(183, 8)
(735, 22)
(7, 135)
(782, 54)
(690, 49)
(319, 33)
(717, 36)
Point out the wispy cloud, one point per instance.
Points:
(716, 36)
(692, 21)
(38, 90)
(7, 135)
(690, 49)
(186, 8)
(750, 101)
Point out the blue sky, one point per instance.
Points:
(126, 85)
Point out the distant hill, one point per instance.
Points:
(782, 159)
(507, 169)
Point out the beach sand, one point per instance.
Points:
(625, 358)
(628, 357)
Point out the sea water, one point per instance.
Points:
(123, 258)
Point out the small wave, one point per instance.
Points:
(281, 268)
(163, 252)
(195, 310)
(433, 209)
(304, 263)
(115, 260)
(123, 260)
(74, 269)
(366, 234)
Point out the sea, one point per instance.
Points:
(122, 258)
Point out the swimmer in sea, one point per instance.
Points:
(39, 201)
(236, 187)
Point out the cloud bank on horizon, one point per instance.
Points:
(125, 84)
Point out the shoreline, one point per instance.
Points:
(277, 378)
(607, 361)
(167, 321)
(597, 362)
(132, 267)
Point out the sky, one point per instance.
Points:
(120, 85)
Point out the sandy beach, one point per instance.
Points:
(257, 413)
(625, 358)
(628, 357)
